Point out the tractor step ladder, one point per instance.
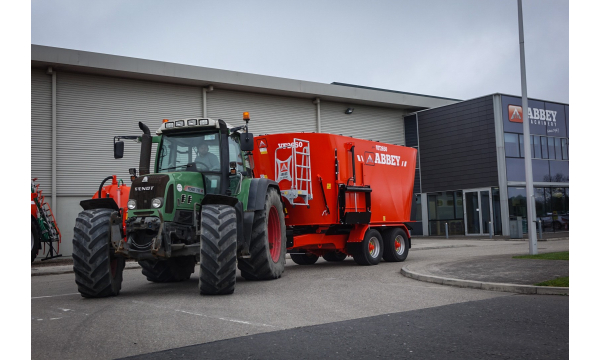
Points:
(297, 170)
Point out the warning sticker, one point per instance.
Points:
(262, 145)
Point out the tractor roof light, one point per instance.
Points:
(246, 116)
(192, 122)
(179, 123)
(165, 120)
(169, 125)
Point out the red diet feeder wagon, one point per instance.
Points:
(342, 196)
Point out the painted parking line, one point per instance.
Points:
(210, 316)
(51, 296)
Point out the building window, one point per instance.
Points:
(536, 149)
(511, 145)
(565, 149)
(446, 208)
(551, 151)
(544, 142)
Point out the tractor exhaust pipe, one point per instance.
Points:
(145, 150)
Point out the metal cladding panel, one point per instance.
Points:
(365, 122)
(457, 146)
(389, 170)
(92, 109)
(269, 114)
(41, 129)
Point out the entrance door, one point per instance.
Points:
(478, 209)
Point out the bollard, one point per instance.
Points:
(491, 230)
(446, 230)
(540, 223)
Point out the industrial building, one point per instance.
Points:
(471, 169)
(80, 100)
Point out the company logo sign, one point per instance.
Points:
(371, 159)
(143, 188)
(536, 116)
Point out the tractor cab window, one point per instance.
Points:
(181, 152)
(235, 154)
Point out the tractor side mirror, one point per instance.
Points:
(247, 142)
(119, 149)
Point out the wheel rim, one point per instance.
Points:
(374, 247)
(274, 234)
(399, 244)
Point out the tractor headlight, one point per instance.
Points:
(169, 125)
(156, 203)
(203, 122)
(179, 123)
(131, 205)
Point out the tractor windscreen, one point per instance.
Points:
(181, 152)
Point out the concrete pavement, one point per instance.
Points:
(484, 264)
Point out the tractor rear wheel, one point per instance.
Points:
(370, 250)
(35, 239)
(395, 245)
(267, 245)
(98, 271)
(334, 256)
(218, 233)
(170, 270)
(304, 259)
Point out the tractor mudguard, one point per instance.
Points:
(257, 193)
(243, 240)
(103, 203)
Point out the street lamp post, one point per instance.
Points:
(527, 144)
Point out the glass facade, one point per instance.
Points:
(551, 206)
(446, 207)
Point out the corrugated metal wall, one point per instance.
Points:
(269, 114)
(92, 109)
(366, 122)
(41, 129)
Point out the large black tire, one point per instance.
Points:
(35, 239)
(370, 250)
(170, 270)
(218, 233)
(98, 272)
(304, 259)
(334, 256)
(267, 258)
(395, 245)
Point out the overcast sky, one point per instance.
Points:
(458, 49)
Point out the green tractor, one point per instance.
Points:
(200, 205)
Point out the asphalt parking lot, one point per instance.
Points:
(148, 317)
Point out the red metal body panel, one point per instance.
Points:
(388, 169)
(119, 193)
(34, 211)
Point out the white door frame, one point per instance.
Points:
(478, 191)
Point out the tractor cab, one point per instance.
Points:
(195, 145)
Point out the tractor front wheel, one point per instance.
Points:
(35, 239)
(268, 241)
(218, 234)
(98, 271)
